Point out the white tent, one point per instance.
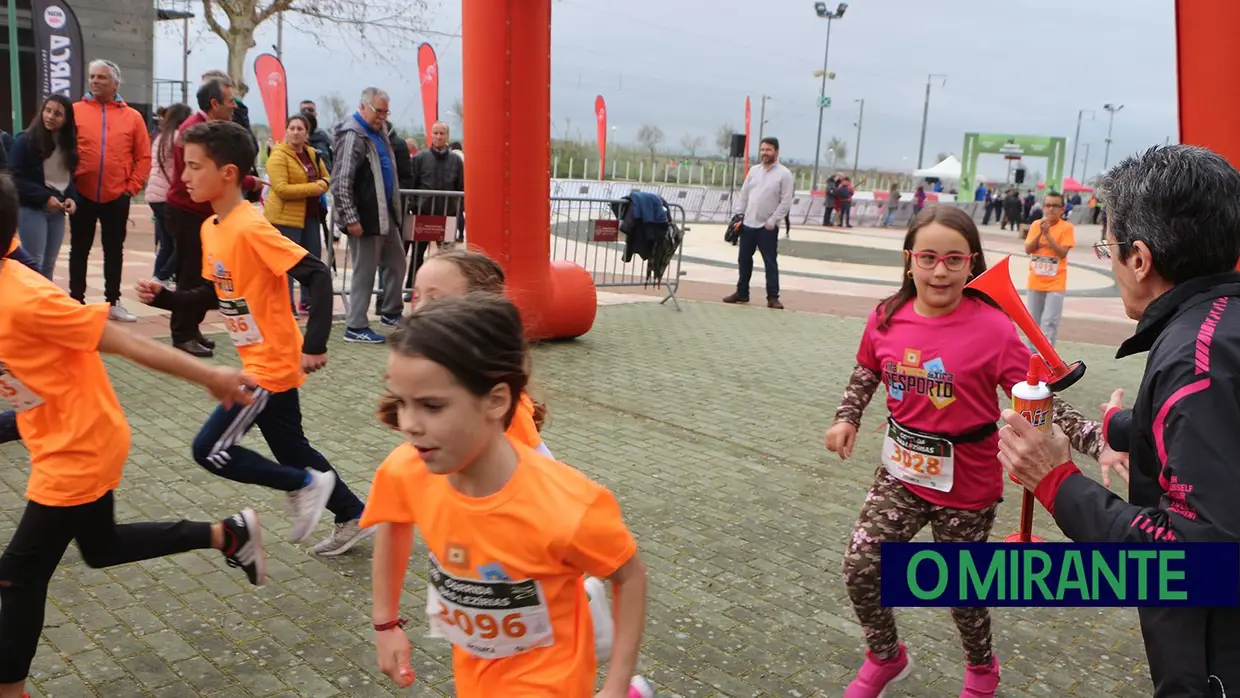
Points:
(948, 169)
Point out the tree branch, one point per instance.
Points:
(208, 13)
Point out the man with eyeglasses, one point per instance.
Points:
(1170, 234)
(1047, 242)
(367, 207)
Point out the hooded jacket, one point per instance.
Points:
(114, 149)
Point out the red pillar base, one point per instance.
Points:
(572, 306)
(1018, 538)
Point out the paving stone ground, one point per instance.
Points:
(707, 423)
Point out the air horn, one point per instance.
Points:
(996, 284)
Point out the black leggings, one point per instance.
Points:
(40, 541)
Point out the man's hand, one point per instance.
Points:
(313, 362)
(230, 386)
(1116, 401)
(147, 290)
(768, 226)
(1029, 454)
(354, 229)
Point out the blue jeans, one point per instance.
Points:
(308, 237)
(278, 416)
(766, 242)
(42, 233)
(166, 256)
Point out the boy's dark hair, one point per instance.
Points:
(8, 213)
(210, 90)
(771, 141)
(225, 143)
(1052, 195)
(477, 337)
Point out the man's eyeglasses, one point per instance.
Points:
(381, 112)
(1102, 248)
(929, 260)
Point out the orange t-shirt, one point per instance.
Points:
(523, 429)
(248, 259)
(52, 375)
(505, 571)
(1047, 271)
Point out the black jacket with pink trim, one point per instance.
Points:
(1182, 433)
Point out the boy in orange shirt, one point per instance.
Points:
(51, 374)
(1048, 241)
(8, 419)
(509, 532)
(246, 263)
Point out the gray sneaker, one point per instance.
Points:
(119, 314)
(306, 504)
(344, 536)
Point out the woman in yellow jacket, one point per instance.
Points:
(298, 181)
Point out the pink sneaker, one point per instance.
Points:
(876, 675)
(981, 681)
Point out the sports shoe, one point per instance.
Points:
(306, 504)
(243, 546)
(344, 536)
(876, 675)
(364, 336)
(600, 614)
(119, 314)
(981, 681)
(639, 687)
(389, 320)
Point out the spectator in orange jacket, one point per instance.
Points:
(114, 151)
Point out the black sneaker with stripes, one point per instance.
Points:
(243, 546)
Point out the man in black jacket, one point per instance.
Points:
(436, 168)
(1171, 238)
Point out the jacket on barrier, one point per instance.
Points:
(359, 193)
(1182, 442)
(648, 232)
(439, 170)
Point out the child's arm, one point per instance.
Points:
(861, 387)
(154, 294)
(393, 545)
(1084, 434)
(226, 384)
(629, 591)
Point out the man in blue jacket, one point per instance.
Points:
(1171, 238)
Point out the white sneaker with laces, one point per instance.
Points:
(344, 536)
(119, 314)
(306, 504)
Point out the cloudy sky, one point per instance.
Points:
(1016, 66)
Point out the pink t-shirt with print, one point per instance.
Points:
(946, 371)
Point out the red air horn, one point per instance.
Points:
(996, 284)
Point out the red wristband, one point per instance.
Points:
(398, 623)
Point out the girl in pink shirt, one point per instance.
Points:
(941, 350)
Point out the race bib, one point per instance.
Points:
(242, 327)
(919, 459)
(14, 392)
(488, 619)
(1045, 266)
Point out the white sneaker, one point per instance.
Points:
(344, 536)
(639, 687)
(306, 504)
(119, 314)
(600, 614)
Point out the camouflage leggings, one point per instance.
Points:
(893, 514)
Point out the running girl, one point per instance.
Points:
(941, 350)
(51, 374)
(497, 517)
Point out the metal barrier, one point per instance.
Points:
(584, 231)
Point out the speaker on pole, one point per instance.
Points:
(1020, 174)
(738, 145)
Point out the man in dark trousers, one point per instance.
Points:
(1171, 238)
(766, 197)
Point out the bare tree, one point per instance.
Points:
(723, 138)
(458, 108)
(836, 151)
(650, 136)
(692, 143)
(336, 106)
(359, 22)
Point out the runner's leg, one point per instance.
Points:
(963, 526)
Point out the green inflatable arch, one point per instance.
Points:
(1049, 147)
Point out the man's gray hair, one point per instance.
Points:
(114, 71)
(1183, 203)
(370, 94)
(218, 76)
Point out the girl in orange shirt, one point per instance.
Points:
(509, 531)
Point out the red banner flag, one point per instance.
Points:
(273, 86)
(428, 70)
(747, 110)
(600, 113)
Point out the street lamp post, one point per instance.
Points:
(1111, 109)
(821, 9)
(1085, 166)
(762, 118)
(15, 73)
(925, 116)
(1076, 142)
(857, 147)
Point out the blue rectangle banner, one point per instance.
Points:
(1060, 574)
